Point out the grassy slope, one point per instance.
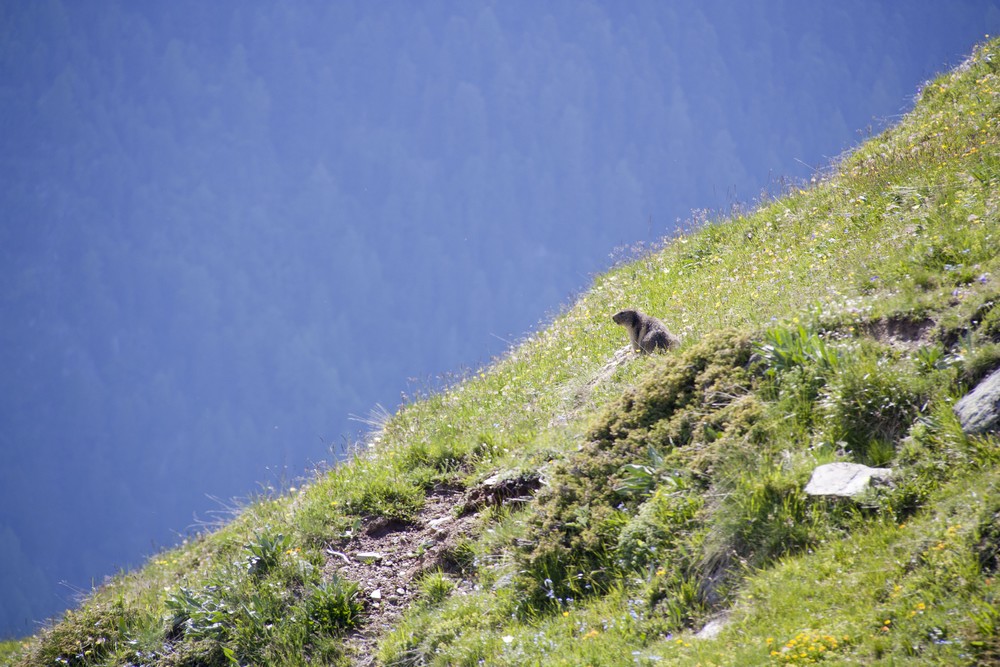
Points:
(786, 314)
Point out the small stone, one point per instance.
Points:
(369, 555)
(376, 594)
(712, 629)
(492, 481)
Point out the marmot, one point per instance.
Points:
(646, 333)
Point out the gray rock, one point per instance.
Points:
(979, 410)
(843, 479)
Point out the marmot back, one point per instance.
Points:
(646, 333)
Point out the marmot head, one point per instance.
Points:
(626, 318)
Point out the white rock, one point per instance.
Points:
(843, 479)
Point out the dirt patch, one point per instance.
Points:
(501, 489)
(901, 331)
(388, 556)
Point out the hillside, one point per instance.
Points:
(576, 504)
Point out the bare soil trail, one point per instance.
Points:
(387, 558)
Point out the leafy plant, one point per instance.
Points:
(199, 615)
(265, 552)
(930, 358)
(637, 480)
(334, 606)
(785, 348)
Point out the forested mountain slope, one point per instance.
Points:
(576, 504)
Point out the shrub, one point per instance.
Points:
(592, 494)
(710, 373)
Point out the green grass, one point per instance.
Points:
(9, 649)
(835, 323)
